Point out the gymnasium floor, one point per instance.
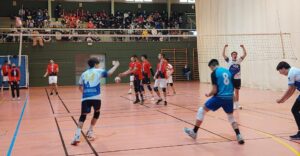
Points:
(48, 125)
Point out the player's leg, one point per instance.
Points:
(163, 86)
(155, 88)
(192, 132)
(227, 105)
(141, 90)
(96, 105)
(136, 90)
(237, 87)
(85, 109)
(2, 86)
(171, 82)
(131, 85)
(13, 90)
(17, 90)
(296, 114)
(148, 83)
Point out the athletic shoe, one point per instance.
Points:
(166, 103)
(56, 93)
(296, 136)
(240, 107)
(51, 93)
(240, 139)
(76, 140)
(158, 101)
(19, 98)
(190, 132)
(136, 101)
(130, 91)
(90, 135)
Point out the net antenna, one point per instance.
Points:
(21, 40)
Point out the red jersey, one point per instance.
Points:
(5, 69)
(146, 66)
(52, 69)
(138, 72)
(161, 70)
(131, 65)
(14, 74)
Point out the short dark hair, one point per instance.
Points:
(163, 55)
(282, 65)
(167, 59)
(213, 62)
(93, 61)
(234, 52)
(134, 56)
(145, 56)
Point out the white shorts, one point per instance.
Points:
(170, 79)
(131, 80)
(161, 83)
(5, 79)
(52, 79)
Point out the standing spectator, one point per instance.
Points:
(14, 79)
(4, 72)
(187, 72)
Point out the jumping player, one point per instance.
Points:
(170, 82)
(146, 70)
(161, 78)
(136, 70)
(90, 88)
(293, 75)
(222, 96)
(4, 72)
(52, 71)
(234, 65)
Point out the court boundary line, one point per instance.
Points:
(57, 125)
(12, 143)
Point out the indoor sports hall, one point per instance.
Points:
(149, 77)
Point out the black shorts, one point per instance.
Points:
(237, 83)
(146, 80)
(86, 105)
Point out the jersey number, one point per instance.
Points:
(226, 79)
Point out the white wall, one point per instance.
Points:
(251, 17)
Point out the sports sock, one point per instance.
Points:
(196, 129)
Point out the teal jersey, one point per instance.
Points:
(222, 78)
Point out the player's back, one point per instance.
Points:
(90, 80)
(224, 83)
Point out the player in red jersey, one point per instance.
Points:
(52, 71)
(161, 78)
(137, 72)
(131, 77)
(4, 72)
(147, 71)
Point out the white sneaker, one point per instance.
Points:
(130, 91)
(76, 140)
(19, 98)
(190, 132)
(90, 135)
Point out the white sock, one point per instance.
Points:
(78, 132)
(91, 128)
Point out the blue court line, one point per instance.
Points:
(17, 129)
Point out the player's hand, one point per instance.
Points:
(121, 75)
(207, 95)
(226, 45)
(115, 63)
(154, 77)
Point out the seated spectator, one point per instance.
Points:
(90, 25)
(187, 72)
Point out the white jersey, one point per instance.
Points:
(234, 67)
(169, 70)
(90, 80)
(294, 77)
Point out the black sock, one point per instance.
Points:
(137, 97)
(142, 97)
(196, 129)
(237, 131)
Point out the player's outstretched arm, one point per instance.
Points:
(244, 51)
(116, 64)
(287, 94)
(224, 52)
(45, 75)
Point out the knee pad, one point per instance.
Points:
(171, 84)
(164, 89)
(231, 118)
(149, 88)
(82, 118)
(142, 88)
(200, 114)
(155, 89)
(96, 115)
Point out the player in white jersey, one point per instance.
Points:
(91, 91)
(170, 82)
(234, 65)
(293, 75)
